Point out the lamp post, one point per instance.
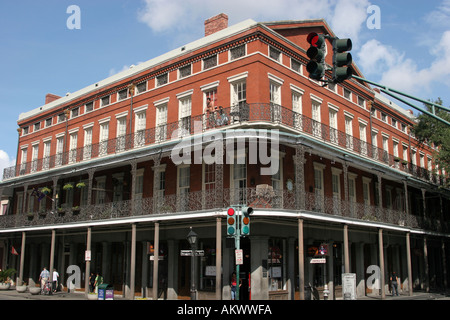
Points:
(192, 239)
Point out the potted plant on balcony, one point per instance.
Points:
(61, 211)
(68, 186)
(76, 210)
(30, 215)
(81, 185)
(42, 213)
(5, 277)
(46, 190)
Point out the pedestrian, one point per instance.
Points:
(91, 282)
(55, 277)
(394, 283)
(43, 278)
(234, 285)
(98, 281)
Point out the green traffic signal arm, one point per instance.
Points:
(389, 91)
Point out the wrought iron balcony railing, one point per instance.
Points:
(214, 200)
(255, 112)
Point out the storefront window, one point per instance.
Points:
(275, 264)
(207, 265)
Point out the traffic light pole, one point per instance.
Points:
(389, 91)
(237, 244)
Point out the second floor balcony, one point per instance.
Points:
(228, 118)
(276, 202)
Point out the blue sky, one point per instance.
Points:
(39, 54)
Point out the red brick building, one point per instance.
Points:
(350, 176)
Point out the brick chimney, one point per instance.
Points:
(51, 97)
(216, 23)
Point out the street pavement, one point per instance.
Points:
(12, 294)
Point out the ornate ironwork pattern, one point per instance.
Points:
(255, 112)
(261, 197)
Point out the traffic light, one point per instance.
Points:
(342, 60)
(245, 220)
(231, 221)
(316, 53)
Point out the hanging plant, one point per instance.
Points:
(81, 185)
(68, 186)
(46, 190)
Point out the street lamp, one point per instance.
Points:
(192, 239)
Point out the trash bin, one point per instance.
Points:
(105, 292)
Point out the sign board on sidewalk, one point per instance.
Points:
(349, 286)
(239, 256)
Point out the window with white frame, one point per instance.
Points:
(19, 208)
(46, 155)
(336, 187)
(89, 107)
(139, 184)
(375, 143)
(184, 175)
(100, 190)
(296, 66)
(185, 109)
(239, 93)
(333, 124)
(363, 136)
(210, 62)
(117, 180)
(104, 101)
(277, 185)
(185, 71)
(139, 126)
(237, 52)
(349, 130)
(103, 138)
(318, 186)
(84, 194)
(347, 94)
(73, 137)
(385, 141)
(161, 122)
(209, 184)
(59, 150)
(297, 106)
(121, 132)
(275, 54)
(352, 190)
(405, 152)
(316, 116)
(162, 79)
(238, 97)
(275, 100)
(239, 180)
(141, 87)
(34, 156)
(395, 148)
(366, 190)
(87, 143)
(122, 94)
(74, 112)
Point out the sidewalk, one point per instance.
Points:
(12, 294)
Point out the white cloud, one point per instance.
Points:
(401, 73)
(346, 17)
(5, 162)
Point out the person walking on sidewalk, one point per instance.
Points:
(43, 278)
(55, 280)
(394, 283)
